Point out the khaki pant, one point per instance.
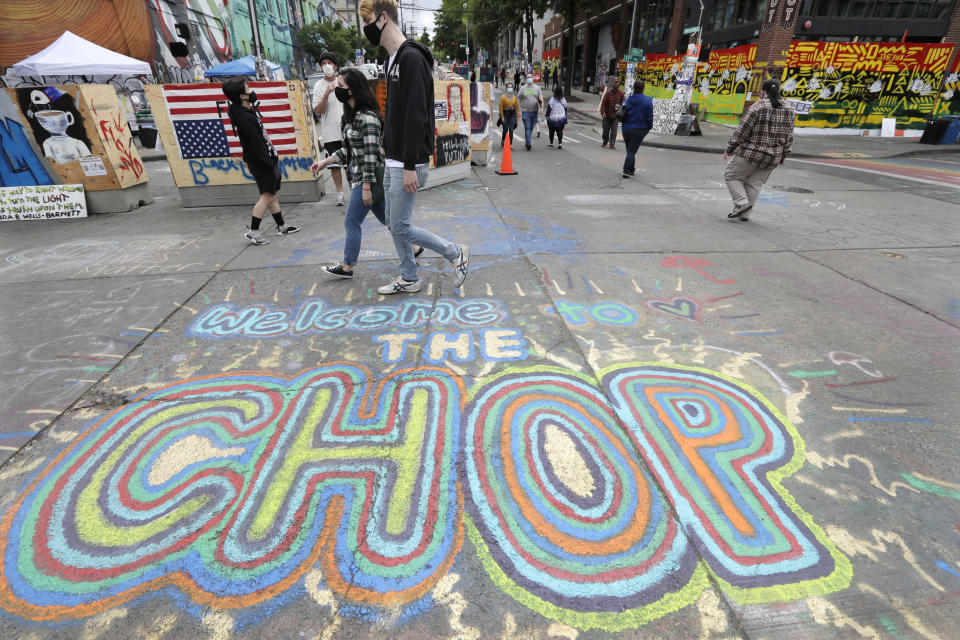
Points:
(744, 180)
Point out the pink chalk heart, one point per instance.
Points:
(686, 308)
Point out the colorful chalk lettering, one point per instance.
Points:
(229, 488)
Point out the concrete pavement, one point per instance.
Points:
(635, 420)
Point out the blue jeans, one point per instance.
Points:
(529, 122)
(356, 213)
(399, 212)
(509, 124)
(632, 138)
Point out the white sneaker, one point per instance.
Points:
(460, 266)
(339, 198)
(400, 286)
(287, 229)
(255, 237)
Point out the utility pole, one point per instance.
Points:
(257, 43)
(633, 22)
(468, 35)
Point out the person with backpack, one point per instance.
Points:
(760, 142)
(362, 155)
(637, 122)
(408, 143)
(557, 116)
(609, 103)
(260, 156)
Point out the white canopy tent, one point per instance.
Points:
(72, 55)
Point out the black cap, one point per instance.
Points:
(233, 89)
(327, 55)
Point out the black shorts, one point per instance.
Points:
(331, 148)
(267, 177)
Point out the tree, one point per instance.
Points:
(317, 37)
(343, 42)
(449, 30)
(424, 39)
(520, 14)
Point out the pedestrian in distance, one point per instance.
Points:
(556, 76)
(637, 122)
(531, 103)
(330, 111)
(260, 156)
(761, 141)
(516, 78)
(363, 156)
(609, 104)
(557, 116)
(503, 76)
(408, 143)
(509, 108)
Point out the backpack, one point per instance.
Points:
(557, 111)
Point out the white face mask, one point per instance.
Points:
(328, 69)
(529, 80)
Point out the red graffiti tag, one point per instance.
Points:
(112, 132)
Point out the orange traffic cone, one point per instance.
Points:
(506, 161)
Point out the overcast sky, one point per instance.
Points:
(420, 18)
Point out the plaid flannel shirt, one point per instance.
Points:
(609, 103)
(361, 148)
(765, 135)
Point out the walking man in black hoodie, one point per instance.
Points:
(260, 156)
(408, 143)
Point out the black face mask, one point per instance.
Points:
(252, 97)
(373, 32)
(342, 94)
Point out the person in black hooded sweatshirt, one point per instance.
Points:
(260, 156)
(408, 144)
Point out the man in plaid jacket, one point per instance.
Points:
(609, 103)
(761, 142)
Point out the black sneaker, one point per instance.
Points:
(739, 211)
(416, 254)
(529, 146)
(337, 270)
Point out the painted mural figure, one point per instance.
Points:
(56, 122)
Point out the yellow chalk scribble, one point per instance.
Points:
(853, 546)
(457, 604)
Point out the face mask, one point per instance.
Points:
(252, 97)
(342, 94)
(328, 70)
(529, 80)
(509, 89)
(373, 32)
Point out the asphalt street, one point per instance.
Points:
(636, 419)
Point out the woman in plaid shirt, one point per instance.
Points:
(759, 144)
(363, 157)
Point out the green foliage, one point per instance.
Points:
(424, 39)
(449, 31)
(317, 37)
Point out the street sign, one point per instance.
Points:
(636, 52)
(632, 58)
(690, 30)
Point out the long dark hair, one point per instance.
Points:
(639, 86)
(558, 92)
(364, 99)
(772, 88)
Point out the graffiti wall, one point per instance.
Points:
(454, 118)
(481, 109)
(950, 98)
(658, 73)
(721, 84)
(856, 85)
(81, 132)
(203, 150)
(210, 34)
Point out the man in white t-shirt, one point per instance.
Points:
(330, 111)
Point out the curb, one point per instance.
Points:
(675, 146)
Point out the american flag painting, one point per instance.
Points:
(202, 126)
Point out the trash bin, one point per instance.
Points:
(952, 133)
(934, 131)
(684, 125)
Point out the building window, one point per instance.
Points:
(889, 9)
(731, 13)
